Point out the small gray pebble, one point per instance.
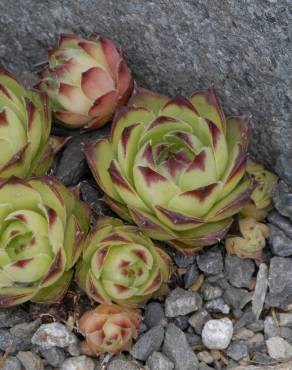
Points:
(217, 334)
(211, 261)
(158, 361)
(191, 275)
(182, 322)
(154, 314)
(120, 362)
(181, 302)
(30, 360)
(148, 343)
(218, 306)
(11, 363)
(210, 291)
(178, 350)
(198, 320)
(239, 271)
(237, 350)
(55, 356)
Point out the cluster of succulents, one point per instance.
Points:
(175, 170)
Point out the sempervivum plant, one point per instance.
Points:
(174, 167)
(86, 80)
(119, 264)
(42, 226)
(110, 328)
(26, 146)
(260, 202)
(251, 239)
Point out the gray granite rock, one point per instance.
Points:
(239, 271)
(11, 363)
(193, 339)
(234, 296)
(262, 359)
(256, 326)
(243, 334)
(148, 343)
(217, 306)
(247, 318)
(12, 316)
(283, 169)
(286, 333)
(30, 360)
(210, 291)
(182, 322)
(271, 328)
(92, 195)
(55, 356)
(191, 275)
(260, 291)
(285, 319)
(280, 234)
(120, 362)
(203, 366)
(177, 349)
(282, 197)
(6, 340)
(211, 261)
(157, 361)
(54, 335)
(285, 366)
(256, 343)
(237, 350)
(78, 363)
(217, 334)
(21, 335)
(280, 282)
(72, 165)
(189, 44)
(181, 302)
(182, 260)
(205, 356)
(154, 314)
(198, 319)
(279, 348)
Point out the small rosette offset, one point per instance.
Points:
(110, 328)
(119, 264)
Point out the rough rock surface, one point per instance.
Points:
(286, 366)
(177, 46)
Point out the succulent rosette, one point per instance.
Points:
(110, 328)
(42, 227)
(86, 80)
(26, 146)
(119, 264)
(251, 240)
(177, 168)
(260, 202)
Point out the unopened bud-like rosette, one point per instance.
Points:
(260, 202)
(42, 227)
(119, 264)
(26, 147)
(110, 328)
(86, 80)
(251, 241)
(176, 168)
